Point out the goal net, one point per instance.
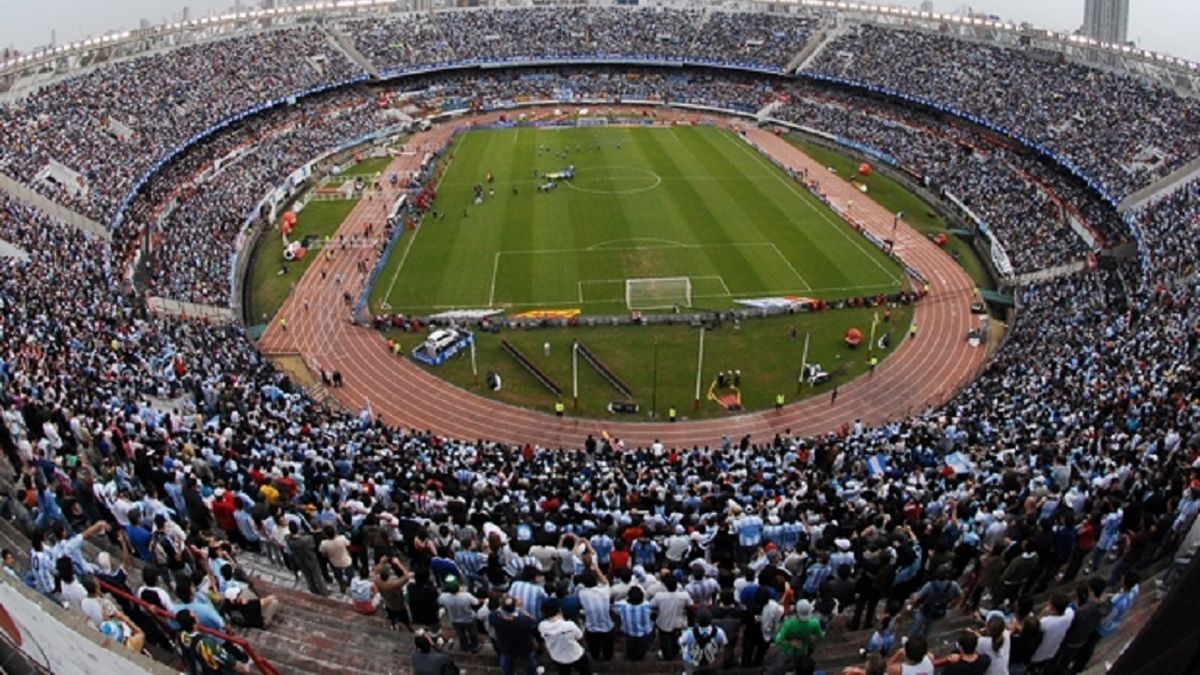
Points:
(658, 293)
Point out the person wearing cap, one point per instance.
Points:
(797, 637)
(460, 609)
(223, 507)
(701, 644)
(563, 641)
(749, 529)
(677, 547)
(515, 635)
(842, 556)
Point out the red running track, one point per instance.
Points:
(921, 372)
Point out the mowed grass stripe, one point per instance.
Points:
(702, 207)
(828, 233)
(741, 212)
(639, 189)
(780, 216)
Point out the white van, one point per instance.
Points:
(440, 340)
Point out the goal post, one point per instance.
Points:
(658, 293)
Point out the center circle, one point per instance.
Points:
(620, 180)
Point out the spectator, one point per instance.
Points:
(595, 598)
(702, 644)
(204, 653)
(912, 659)
(965, 661)
(933, 600)
(797, 637)
(460, 609)
(636, 623)
(563, 640)
(516, 636)
(1055, 621)
(995, 642)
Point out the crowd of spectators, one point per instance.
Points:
(1170, 229)
(191, 248)
(1007, 190)
(113, 123)
(403, 42)
(1075, 452)
(1121, 130)
(506, 88)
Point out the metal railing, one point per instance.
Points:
(163, 617)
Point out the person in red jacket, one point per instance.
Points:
(223, 508)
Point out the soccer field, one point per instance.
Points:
(645, 202)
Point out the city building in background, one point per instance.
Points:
(1106, 20)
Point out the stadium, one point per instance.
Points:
(403, 337)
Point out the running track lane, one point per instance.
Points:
(920, 373)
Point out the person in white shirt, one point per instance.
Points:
(71, 591)
(996, 642)
(150, 587)
(671, 605)
(912, 659)
(563, 641)
(1056, 620)
(678, 544)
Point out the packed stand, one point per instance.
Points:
(506, 88)
(989, 179)
(397, 42)
(1121, 130)
(752, 38)
(1073, 454)
(192, 248)
(1170, 228)
(112, 124)
(568, 32)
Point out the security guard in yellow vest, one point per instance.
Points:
(778, 401)
(672, 413)
(559, 407)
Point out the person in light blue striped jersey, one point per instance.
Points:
(635, 616)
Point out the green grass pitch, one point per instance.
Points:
(645, 202)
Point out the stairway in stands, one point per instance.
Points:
(324, 635)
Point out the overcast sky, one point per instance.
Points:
(1162, 25)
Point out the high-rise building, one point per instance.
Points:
(1106, 20)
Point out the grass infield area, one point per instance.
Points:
(271, 284)
(763, 349)
(644, 202)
